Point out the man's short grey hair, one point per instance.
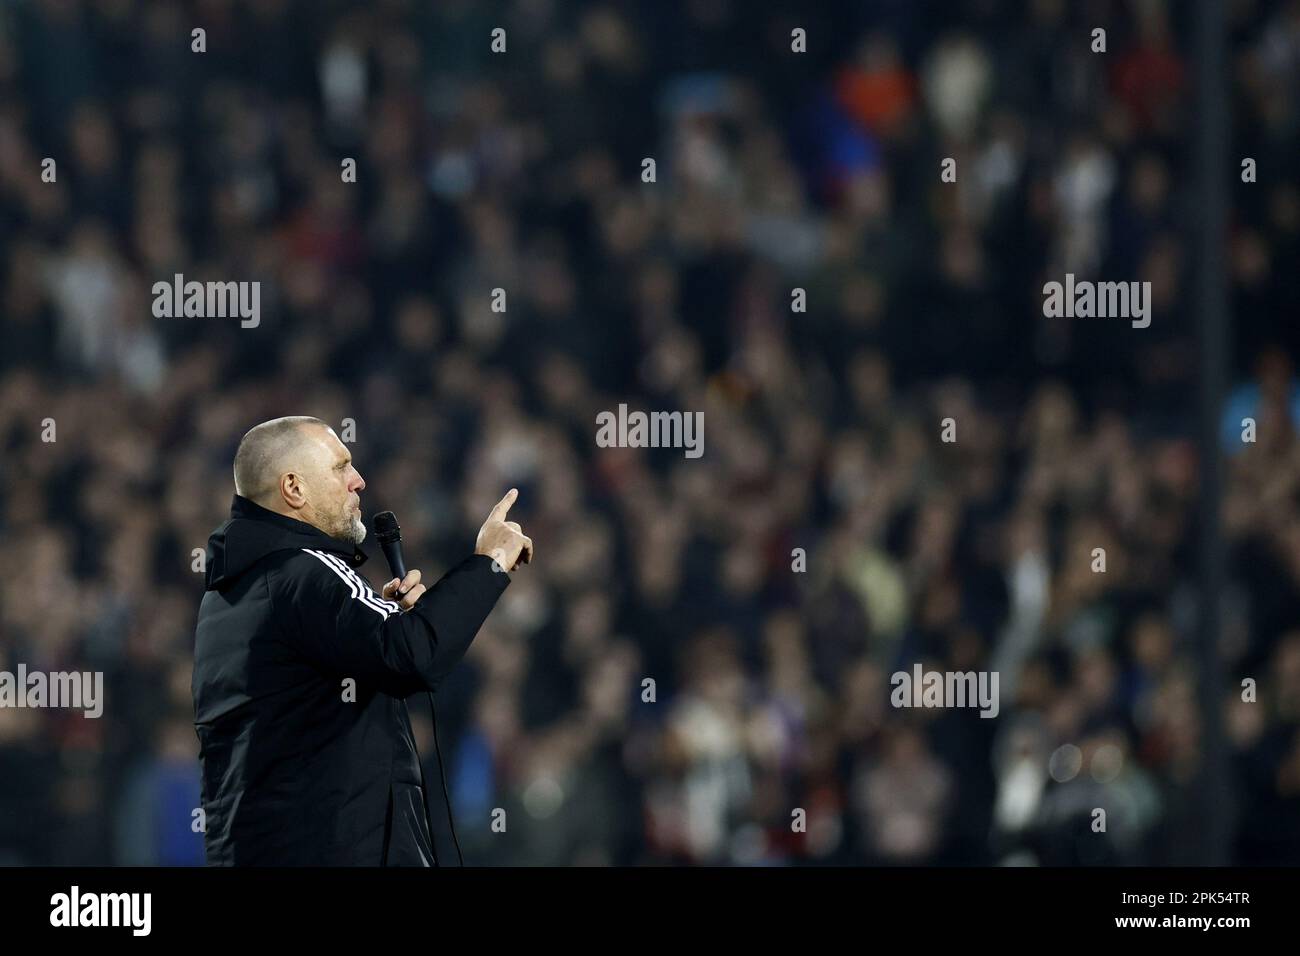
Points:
(263, 452)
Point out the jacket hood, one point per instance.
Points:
(252, 532)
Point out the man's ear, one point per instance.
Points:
(292, 490)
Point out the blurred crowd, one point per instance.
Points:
(702, 648)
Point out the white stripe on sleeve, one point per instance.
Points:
(352, 581)
(364, 590)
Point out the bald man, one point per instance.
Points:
(301, 670)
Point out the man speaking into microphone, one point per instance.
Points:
(301, 670)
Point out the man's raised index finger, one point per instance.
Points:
(503, 506)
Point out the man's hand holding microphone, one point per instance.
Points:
(501, 540)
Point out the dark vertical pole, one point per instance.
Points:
(1210, 117)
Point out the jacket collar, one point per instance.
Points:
(252, 532)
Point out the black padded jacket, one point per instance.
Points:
(300, 677)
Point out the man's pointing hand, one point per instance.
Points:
(501, 540)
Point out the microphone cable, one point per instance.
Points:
(442, 776)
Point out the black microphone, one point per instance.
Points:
(389, 536)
